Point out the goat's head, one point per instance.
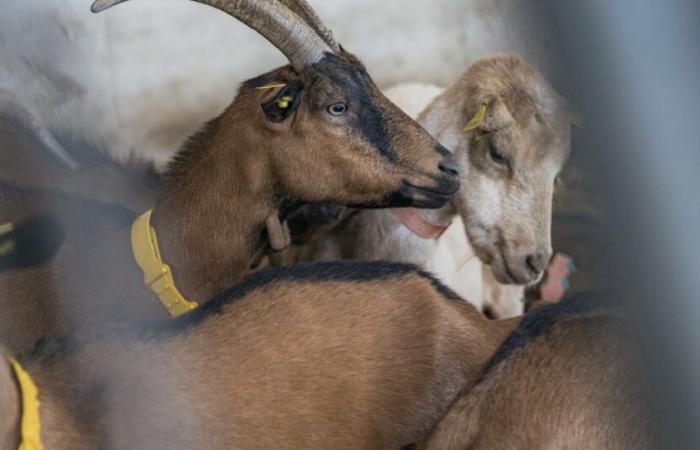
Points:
(516, 142)
(327, 132)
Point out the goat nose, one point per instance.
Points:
(449, 165)
(537, 262)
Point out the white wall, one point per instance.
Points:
(144, 75)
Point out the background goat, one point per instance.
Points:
(324, 132)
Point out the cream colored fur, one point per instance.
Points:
(452, 258)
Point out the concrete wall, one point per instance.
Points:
(143, 76)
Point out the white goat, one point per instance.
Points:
(517, 142)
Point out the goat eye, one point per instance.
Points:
(498, 156)
(337, 109)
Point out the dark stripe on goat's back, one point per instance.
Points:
(57, 346)
(539, 321)
(344, 271)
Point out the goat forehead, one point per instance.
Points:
(535, 146)
(346, 76)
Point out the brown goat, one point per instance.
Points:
(568, 377)
(324, 133)
(330, 355)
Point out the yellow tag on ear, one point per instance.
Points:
(481, 136)
(270, 86)
(283, 103)
(477, 119)
(7, 247)
(6, 228)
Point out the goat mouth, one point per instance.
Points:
(505, 274)
(427, 197)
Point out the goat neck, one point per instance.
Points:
(219, 204)
(9, 395)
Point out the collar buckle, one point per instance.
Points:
(156, 274)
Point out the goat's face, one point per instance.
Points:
(509, 163)
(338, 139)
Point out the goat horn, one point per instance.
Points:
(274, 21)
(302, 9)
(12, 107)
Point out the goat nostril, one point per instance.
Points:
(488, 312)
(449, 165)
(536, 262)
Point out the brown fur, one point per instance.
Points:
(10, 401)
(578, 385)
(329, 362)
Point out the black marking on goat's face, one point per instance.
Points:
(346, 143)
(350, 84)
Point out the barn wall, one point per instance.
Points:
(143, 76)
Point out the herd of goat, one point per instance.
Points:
(145, 309)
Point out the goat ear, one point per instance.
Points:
(488, 115)
(477, 118)
(285, 102)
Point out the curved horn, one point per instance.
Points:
(274, 21)
(302, 9)
(11, 106)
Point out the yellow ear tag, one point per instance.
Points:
(283, 103)
(6, 247)
(270, 86)
(481, 136)
(477, 119)
(6, 228)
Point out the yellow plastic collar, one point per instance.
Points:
(156, 274)
(30, 427)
